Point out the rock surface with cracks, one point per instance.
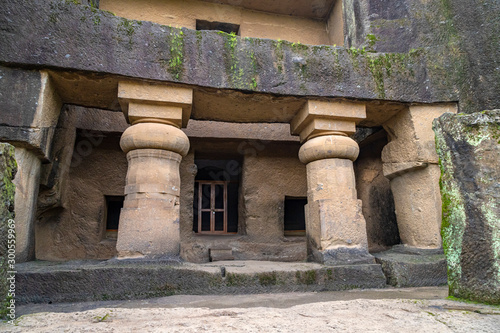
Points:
(469, 150)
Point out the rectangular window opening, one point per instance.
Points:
(220, 26)
(114, 204)
(295, 218)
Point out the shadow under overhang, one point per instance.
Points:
(101, 91)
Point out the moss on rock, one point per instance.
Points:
(8, 168)
(469, 151)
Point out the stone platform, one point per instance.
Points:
(46, 282)
(90, 280)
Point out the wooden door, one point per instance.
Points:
(212, 207)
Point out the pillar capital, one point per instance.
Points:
(328, 146)
(319, 118)
(154, 136)
(411, 139)
(155, 103)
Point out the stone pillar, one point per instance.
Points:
(30, 114)
(411, 164)
(335, 226)
(27, 183)
(155, 145)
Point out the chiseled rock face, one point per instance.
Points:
(70, 36)
(469, 150)
(439, 27)
(375, 193)
(426, 51)
(8, 168)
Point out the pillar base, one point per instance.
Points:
(406, 266)
(336, 233)
(148, 233)
(342, 256)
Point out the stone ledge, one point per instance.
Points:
(44, 282)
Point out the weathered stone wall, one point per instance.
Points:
(438, 50)
(30, 110)
(29, 113)
(19, 105)
(269, 172)
(374, 190)
(267, 177)
(8, 170)
(77, 231)
(469, 152)
(77, 37)
(85, 146)
(74, 227)
(460, 38)
(185, 13)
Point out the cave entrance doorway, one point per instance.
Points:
(216, 192)
(212, 207)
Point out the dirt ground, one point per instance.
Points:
(383, 310)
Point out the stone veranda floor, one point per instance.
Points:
(371, 310)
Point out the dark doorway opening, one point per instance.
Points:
(295, 218)
(114, 205)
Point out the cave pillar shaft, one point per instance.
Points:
(335, 226)
(410, 163)
(155, 145)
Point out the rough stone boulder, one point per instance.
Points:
(469, 150)
(8, 170)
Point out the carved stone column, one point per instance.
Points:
(27, 184)
(155, 145)
(411, 164)
(335, 226)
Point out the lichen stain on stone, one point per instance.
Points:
(453, 218)
(8, 169)
(241, 62)
(470, 142)
(491, 219)
(176, 60)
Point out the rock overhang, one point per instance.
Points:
(102, 49)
